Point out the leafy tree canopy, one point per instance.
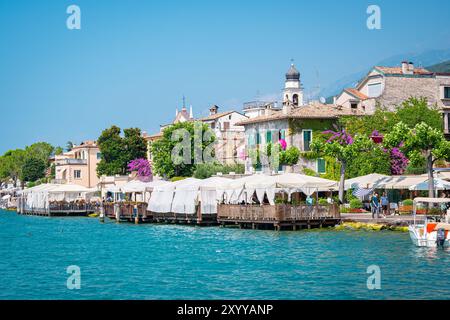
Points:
(118, 151)
(33, 169)
(171, 159)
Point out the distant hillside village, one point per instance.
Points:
(290, 119)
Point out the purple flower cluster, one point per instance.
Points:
(399, 161)
(143, 169)
(340, 136)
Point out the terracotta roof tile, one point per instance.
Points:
(312, 111)
(215, 116)
(357, 94)
(398, 70)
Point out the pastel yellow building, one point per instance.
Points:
(79, 166)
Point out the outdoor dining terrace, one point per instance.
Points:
(57, 208)
(278, 216)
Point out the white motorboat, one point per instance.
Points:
(434, 232)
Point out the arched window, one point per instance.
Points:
(295, 99)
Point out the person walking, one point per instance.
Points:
(385, 203)
(375, 205)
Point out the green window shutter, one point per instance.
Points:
(306, 140)
(258, 138)
(447, 92)
(268, 136)
(321, 166)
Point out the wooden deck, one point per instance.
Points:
(126, 212)
(180, 218)
(279, 216)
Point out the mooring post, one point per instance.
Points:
(136, 214)
(102, 213)
(117, 212)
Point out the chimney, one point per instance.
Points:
(287, 108)
(405, 67)
(411, 67)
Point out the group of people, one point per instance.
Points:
(379, 204)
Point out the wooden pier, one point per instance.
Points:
(279, 216)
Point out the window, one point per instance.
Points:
(354, 105)
(268, 136)
(258, 138)
(226, 125)
(321, 166)
(282, 134)
(307, 138)
(77, 174)
(374, 90)
(99, 156)
(295, 99)
(446, 92)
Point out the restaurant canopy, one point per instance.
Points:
(162, 195)
(140, 186)
(243, 189)
(439, 184)
(40, 195)
(366, 182)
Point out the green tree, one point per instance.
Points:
(344, 148)
(416, 110)
(181, 148)
(207, 170)
(33, 169)
(117, 152)
(134, 144)
(59, 151)
(423, 139)
(40, 150)
(12, 163)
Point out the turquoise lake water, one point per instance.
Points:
(125, 261)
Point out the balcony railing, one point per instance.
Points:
(64, 162)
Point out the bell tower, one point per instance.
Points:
(293, 90)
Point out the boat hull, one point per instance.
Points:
(423, 239)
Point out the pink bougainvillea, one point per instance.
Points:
(143, 169)
(283, 144)
(340, 136)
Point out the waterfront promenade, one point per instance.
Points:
(394, 220)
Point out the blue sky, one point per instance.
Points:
(132, 61)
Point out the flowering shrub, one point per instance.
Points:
(283, 144)
(399, 161)
(143, 169)
(339, 136)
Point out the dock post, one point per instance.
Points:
(117, 212)
(102, 213)
(136, 214)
